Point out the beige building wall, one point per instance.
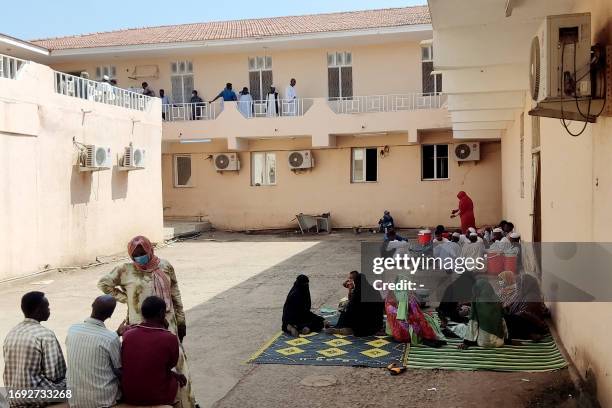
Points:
(52, 214)
(576, 194)
(230, 202)
(387, 68)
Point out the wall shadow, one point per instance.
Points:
(80, 186)
(119, 182)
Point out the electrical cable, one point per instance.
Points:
(565, 125)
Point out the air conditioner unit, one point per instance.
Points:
(301, 159)
(553, 74)
(133, 158)
(95, 158)
(226, 162)
(468, 151)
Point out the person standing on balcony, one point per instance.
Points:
(272, 102)
(146, 90)
(165, 103)
(197, 105)
(245, 103)
(227, 94)
(291, 99)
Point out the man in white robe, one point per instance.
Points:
(473, 250)
(290, 103)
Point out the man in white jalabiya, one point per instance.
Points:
(245, 103)
(473, 250)
(290, 103)
(272, 102)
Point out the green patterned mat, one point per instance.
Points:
(528, 357)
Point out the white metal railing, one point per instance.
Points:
(281, 107)
(386, 103)
(190, 111)
(102, 92)
(10, 66)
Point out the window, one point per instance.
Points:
(260, 76)
(182, 171)
(339, 75)
(364, 164)
(434, 161)
(263, 169)
(431, 83)
(181, 80)
(108, 70)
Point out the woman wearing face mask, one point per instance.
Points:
(147, 275)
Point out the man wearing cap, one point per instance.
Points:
(473, 250)
(499, 244)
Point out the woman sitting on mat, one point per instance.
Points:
(406, 323)
(486, 327)
(297, 317)
(454, 305)
(524, 310)
(363, 315)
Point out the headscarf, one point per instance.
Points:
(528, 295)
(161, 282)
(297, 305)
(507, 292)
(486, 310)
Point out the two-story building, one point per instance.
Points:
(368, 110)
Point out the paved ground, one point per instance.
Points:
(234, 286)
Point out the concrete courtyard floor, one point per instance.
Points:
(234, 286)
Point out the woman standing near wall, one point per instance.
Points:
(465, 211)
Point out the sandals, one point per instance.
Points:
(395, 370)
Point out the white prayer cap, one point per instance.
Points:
(498, 229)
(456, 234)
(472, 229)
(473, 234)
(514, 235)
(106, 78)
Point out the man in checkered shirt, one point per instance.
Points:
(33, 357)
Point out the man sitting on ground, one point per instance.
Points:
(392, 235)
(32, 355)
(386, 222)
(149, 354)
(94, 358)
(498, 244)
(473, 250)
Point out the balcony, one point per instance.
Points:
(10, 66)
(319, 118)
(101, 92)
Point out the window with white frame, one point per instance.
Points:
(182, 170)
(364, 164)
(339, 75)
(181, 81)
(432, 84)
(434, 162)
(108, 70)
(263, 169)
(260, 76)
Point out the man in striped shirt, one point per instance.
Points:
(32, 355)
(94, 359)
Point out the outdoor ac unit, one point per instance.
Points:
(226, 162)
(469, 151)
(559, 42)
(301, 159)
(133, 158)
(96, 158)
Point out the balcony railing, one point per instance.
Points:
(101, 92)
(190, 111)
(386, 103)
(10, 66)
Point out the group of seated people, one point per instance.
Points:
(100, 370)
(471, 308)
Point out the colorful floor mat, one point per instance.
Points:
(331, 350)
(528, 357)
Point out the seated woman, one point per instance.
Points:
(524, 310)
(456, 298)
(407, 323)
(486, 327)
(297, 317)
(363, 315)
